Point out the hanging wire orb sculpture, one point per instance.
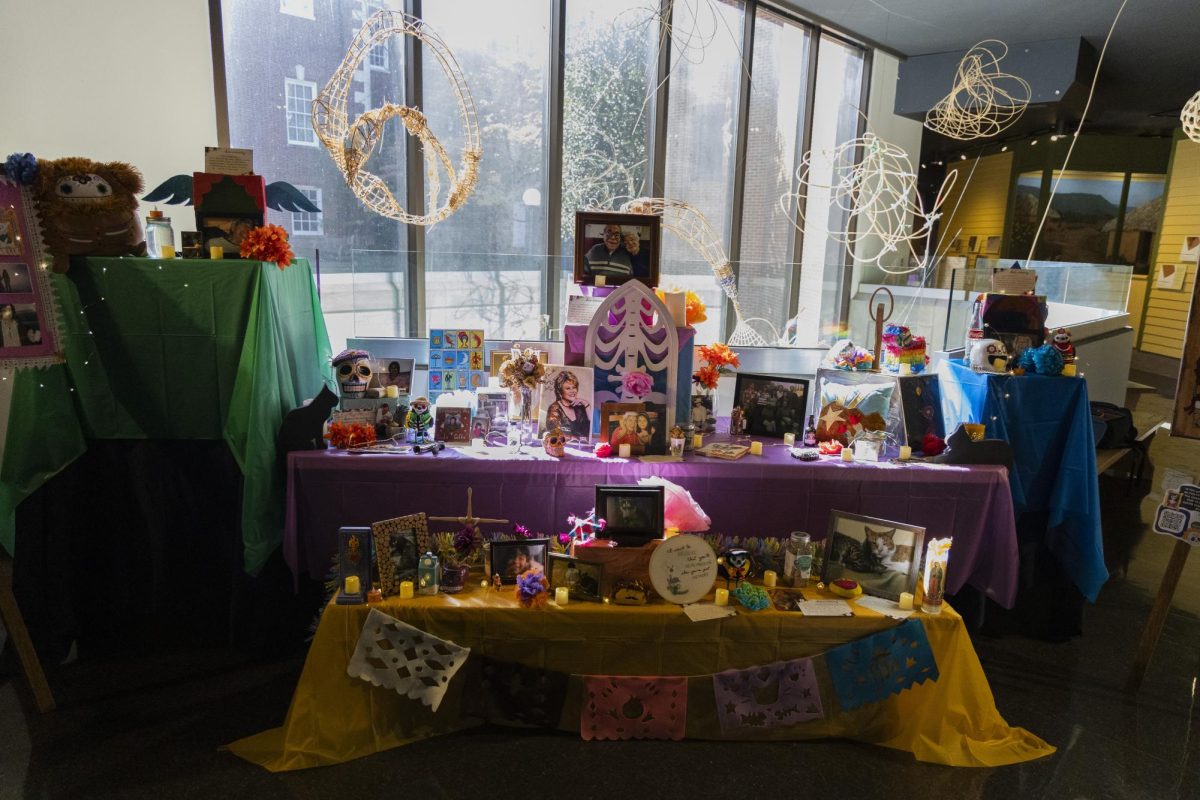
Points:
(351, 144)
(689, 224)
(873, 182)
(1190, 117)
(984, 101)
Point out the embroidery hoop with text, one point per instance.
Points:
(350, 144)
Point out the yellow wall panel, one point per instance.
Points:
(1166, 312)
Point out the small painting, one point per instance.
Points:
(1170, 277)
(1190, 251)
(453, 426)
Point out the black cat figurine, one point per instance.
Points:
(303, 428)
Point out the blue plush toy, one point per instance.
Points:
(1044, 360)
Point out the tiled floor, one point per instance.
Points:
(150, 726)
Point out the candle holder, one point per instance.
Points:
(937, 556)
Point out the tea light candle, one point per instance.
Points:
(756, 448)
(905, 452)
(697, 440)
(352, 585)
(906, 601)
(391, 392)
(625, 451)
(406, 590)
(789, 439)
(847, 455)
(216, 252)
(375, 596)
(1068, 371)
(600, 280)
(168, 251)
(561, 596)
(722, 597)
(770, 578)
(906, 369)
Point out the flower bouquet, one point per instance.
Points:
(715, 360)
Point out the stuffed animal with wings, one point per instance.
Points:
(281, 195)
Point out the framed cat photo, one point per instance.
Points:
(882, 555)
(399, 542)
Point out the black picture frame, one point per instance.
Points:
(219, 229)
(644, 270)
(877, 580)
(503, 555)
(635, 515)
(588, 586)
(783, 410)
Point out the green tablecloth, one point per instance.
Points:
(172, 350)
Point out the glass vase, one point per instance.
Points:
(520, 428)
(454, 578)
(704, 409)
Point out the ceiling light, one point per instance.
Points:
(1034, 142)
(1004, 149)
(962, 156)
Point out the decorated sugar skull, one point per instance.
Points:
(353, 368)
(1062, 343)
(989, 355)
(555, 442)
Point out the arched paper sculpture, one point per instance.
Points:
(689, 224)
(350, 144)
(874, 182)
(983, 101)
(1190, 117)
(632, 331)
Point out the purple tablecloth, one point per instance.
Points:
(768, 495)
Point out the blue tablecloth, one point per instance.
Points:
(1048, 422)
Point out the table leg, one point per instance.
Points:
(1158, 616)
(15, 623)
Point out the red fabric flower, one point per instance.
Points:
(268, 243)
(602, 450)
(932, 445)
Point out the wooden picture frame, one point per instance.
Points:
(783, 413)
(633, 514)
(452, 426)
(585, 586)
(849, 554)
(397, 542)
(594, 257)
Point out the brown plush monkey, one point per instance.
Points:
(88, 208)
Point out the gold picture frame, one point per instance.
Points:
(399, 541)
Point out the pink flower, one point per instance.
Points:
(637, 383)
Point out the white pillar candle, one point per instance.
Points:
(906, 369)
(352, 584)
(676, 303)
(847, 455)
(722, 597)
(406, 590)
(789, 439)
(562, 596)
(770, 578)
(625, 450)
(756, 448)
(697, 440)
(600, 280)
(905, 452)
(906, 601)
(391, 392)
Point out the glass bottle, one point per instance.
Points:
(974, 328)
(158, 233)
(810, 433)
(797, 559)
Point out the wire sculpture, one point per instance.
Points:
(874, 183)
(984, 101)
(351, 144)
(1190, 117)
(689, 224)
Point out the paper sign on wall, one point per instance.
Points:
(1179, 514)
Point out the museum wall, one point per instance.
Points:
(1167, 307)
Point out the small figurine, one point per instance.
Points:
(497, 584)
(629, 593)
(989, 355)
(1062, 343)
(678, 441)
(737, 422)
(735, 564)
(419, 420)
(555, 442)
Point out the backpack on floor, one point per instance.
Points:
(1112, 425)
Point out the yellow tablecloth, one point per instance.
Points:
(335, 718)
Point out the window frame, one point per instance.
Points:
(318, 217)
(288, 83)
(289, 7)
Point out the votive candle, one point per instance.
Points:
(1068, 370)
(406, 590)
(697, 440)
(722, 597)
(756, 448)
(216, 252)
(168, 251)
(770, 578)
(391, 392)
(905, 452)
(906, 601)
(352, 585)
(789, 439)
(600, 280)
(906, 369)
(562, 596)
(847, 455)
(625, 451)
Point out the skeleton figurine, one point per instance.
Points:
(555, 442)
(1062, 343)
(989, 355)
(353, 368)
(419, 420)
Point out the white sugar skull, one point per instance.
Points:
(353, 368)
(989, 355)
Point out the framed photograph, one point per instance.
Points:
(399, 542)
(566, 402)
(481, 426)
(15, 278)
(493, 404)
(453, 426)
(642, 426)
(993, 244)
(394, 372)
(226, 232)
(498, 357)
(633, 514)
(509, 559)
(1190, 251)
(617, 248)
(973, 244)
(883, 556)
(193, 245)
(771, 405)
(583, 579)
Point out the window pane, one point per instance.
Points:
(608, 89)
(274, 68)
(487, 263)
(781, 52)
(836, 120)
(701, 128)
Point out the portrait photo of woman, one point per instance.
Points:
(567, 401)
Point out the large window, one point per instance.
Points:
(308, 223)
(581, 102)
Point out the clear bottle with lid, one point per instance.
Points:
(797, 559)
(158, 233)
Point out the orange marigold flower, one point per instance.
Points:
(707, 376)
(268, 243)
